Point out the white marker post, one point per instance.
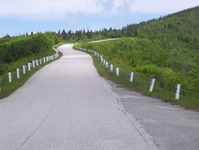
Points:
(131, 76)
(10, 77)
(40, 61)
(0, 83)
(117, 70)
(104, 63)
(24, 69)
(177, 97)
(33, 64)
(37, 62)
(152, 84)
(18, 73)
(47, 59)
(29, 66)
(44, 59)
(101, 59)
(111, 67)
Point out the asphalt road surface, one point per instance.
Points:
(67, 106)
(172, 127)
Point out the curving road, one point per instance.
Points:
(67, 106)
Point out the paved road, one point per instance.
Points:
(172, 127)
(67, 106)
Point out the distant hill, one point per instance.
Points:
(166, 48)
(178, 34)
(182, 26)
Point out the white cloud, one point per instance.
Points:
(60, 8)
(161, 6)
(50, 8)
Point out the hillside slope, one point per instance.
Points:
(177, 34)
(167, 49)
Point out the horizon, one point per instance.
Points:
(52, 16)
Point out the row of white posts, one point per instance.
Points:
(131, 75)
(32, 64)
(177, 88)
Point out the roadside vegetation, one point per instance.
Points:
(166, 49)
(18, 51)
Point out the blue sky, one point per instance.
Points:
(25, 16)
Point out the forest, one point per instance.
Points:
(181, 26)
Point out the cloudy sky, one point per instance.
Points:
(21, 16)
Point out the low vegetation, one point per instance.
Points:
(18, 51)
(166, 49)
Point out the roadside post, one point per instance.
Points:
(106, 64)
(37, 62)
(117, 70)
(111, 67)
(24, 69)
(44, 59)
(33, 64)
(47, 59)
(40, 61)
(10, 77)
(0, 83)
(29, 66)
(152, 82)
(177, 96)
(18, 73)
(131, 76)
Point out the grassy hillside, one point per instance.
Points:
(166, 49)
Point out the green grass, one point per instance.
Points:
(141, 84)
(8, 88)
